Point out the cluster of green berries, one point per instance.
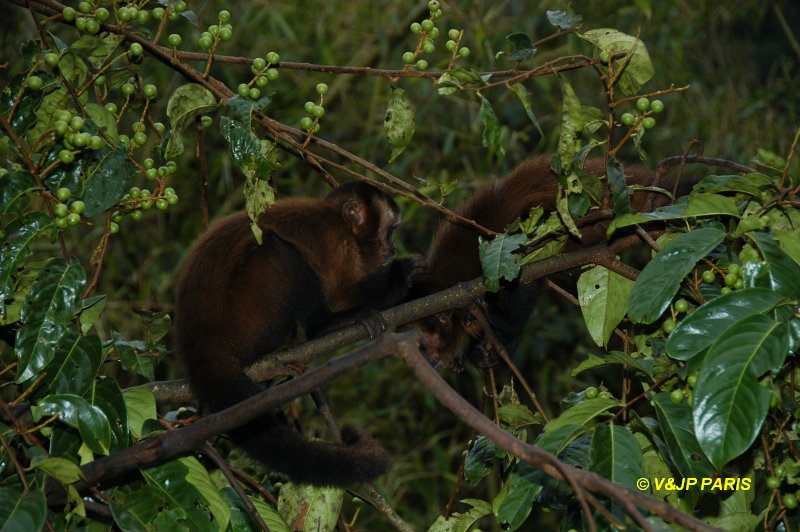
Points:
(315, 110)
(67, 215)
(151, 172)
(733, 278)
(138, 200)
(681, 306)
(215, 33)
(593, 393)
(646, 108)
(68, 127)
(428, 33)
(790, 500)
(88, 17)
(264, 71)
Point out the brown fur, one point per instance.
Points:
(320, 260)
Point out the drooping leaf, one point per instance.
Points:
(677, 427)
(729, 403)
(639, 68)
(705, 324)
(22, 512)
(20, 234)
(694, 206)
(525, 98)
(480, 459)
(462, 522)
(615, 454)
(108, 181)
(514, 503)
(307, 507)
(185, 103)
(603, 297)
(491, 128)
(15, 187)
(398, 124)
(784, 272)
(619, 190)
(660, 279)
(77, 412)
(523, 48)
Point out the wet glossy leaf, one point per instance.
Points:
(108, 181)
(603, 297)
(77, 412)
(19, 512)
(784, 272)
(514, 503)
(677, 428)
(15, 189)
(20, 234)
(615, 454)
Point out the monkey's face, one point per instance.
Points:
(448, 337)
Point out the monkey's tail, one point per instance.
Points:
(359, 458)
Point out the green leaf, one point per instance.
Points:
(63, 470)
(73, 68)
(135, 510)
(562, 20)
(694, 206)
(603, 297)
(615, 454)
(498, 259)
(525, 98)
(398, 124)
(576, 120)
(706, 323)
(462, 522)
(106, 395)
(130, 360)
(185, 103)
(25, 114)
(516, 416)
(639, 69)
(49, 308)
(619, 190)
(186, 484)
(108, 181)
(15, 186)
(660, 280)
(614, 357)
(103, 119)
(751, 184)
(729, 404)
(784, 272)
(91, 422)
(91, 309)
(677, 428)
(74, 366)
(20, 512)
(480, 459)
(141, 406)
(514, 503)
(523, 47)
(308, 507)
(20, 234)
(242, 521)
(491, 128)
(582, 413)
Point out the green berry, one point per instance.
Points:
(416, 27)
(66, 156)
(76, 123)
(102, 14)
(427, 25)
(172, 199)
(159, 127)
(225, 33)
(125, 14)
(668, 326)
(422, 64)
(454, 34)
(148, 163)
(643, 104)
(428, 48)
(254, 93)
(77, 206)
(273, 58)
(730, 279)
(437, 15)
(709, 276)
(243, 90)
(259, 63)
(92, 26)
(408, 58)
(649, 122)
(151, 173)
(80, 23)
(273, 74)
(206, 121)
(627, 119)
(163, 171)
(137, 215)
(111, 107)
(306, 122)
(205, 42)
(128, 88)
(146, 205)
(174, 39)
(734, 268)
(318, 111)
(60, 210)
(213, 30)
(63, 193)
(316, 127)
(789, 501)
(590, 392)
(69, 14)
(113, 228)
(158, 13)
(309, 106)
(691, 380)
(773, 483)
(676, 396)
(322, 89)
(73, 218)
(51, 59)
(61, 223)
(139, 138)
(60, 127)
(150, 91)
(739, 284)
(657, 106)
(35, 83)
(135, 192)
(136, 49)
(143, 16)
(80, 140)
(100, 80)
(604, 56)
(463, 51)
(725, 290)
(161, 204)
(224, 16)
(681, 305)
(451, 45)
(84, 7)
(180, 6)
(433, 5)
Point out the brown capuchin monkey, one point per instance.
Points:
(321, 262)
(450, 337)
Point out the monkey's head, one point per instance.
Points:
(372, 216)
(450, 337)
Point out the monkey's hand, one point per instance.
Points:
(411, 269)
(371, 319)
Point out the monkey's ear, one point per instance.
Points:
(354, 211)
